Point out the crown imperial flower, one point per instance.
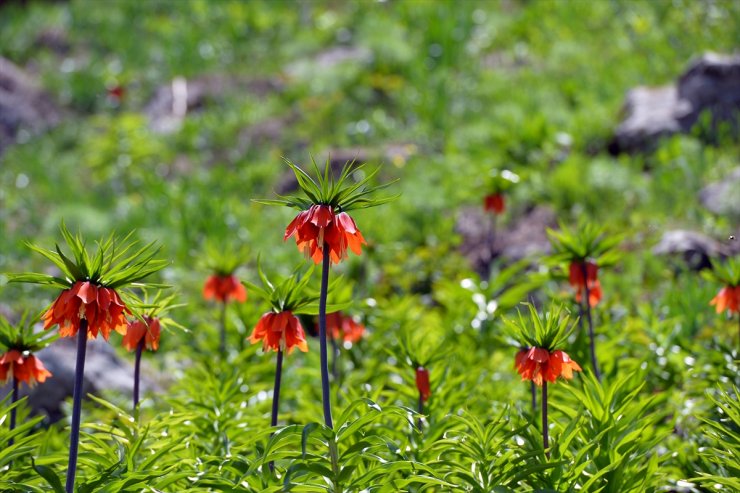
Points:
(591, 281)
(495, 203)
(279, 331)
(149, 330)
(23, 367)
(102, 308)
(224, 288)
(321, 227)
(539, 364)
(342, 327)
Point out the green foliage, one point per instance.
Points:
(550, 332)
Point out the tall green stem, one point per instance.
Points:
(276, 395)
(222, 340)
(74, 439)
(137, 371)
(14, 399)
(325, 394)
(545, 429)
(587, 304)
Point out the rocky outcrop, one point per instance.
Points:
(711, 84)
(25, 110)
(695, 249)
(723, 197)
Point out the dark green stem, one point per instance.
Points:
(587, 303)
(12, 411)
(325, 394)
(137, 371)
(276, 394)
(74, 439)
(533, 390)
(222, 341)
(545, 430)
(421, 410)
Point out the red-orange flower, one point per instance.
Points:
(495, 203)
(279, 331)
(224, 289)
(537, 364)
(339, 326)
(319, 226)
(422, 383)
(728, 299)
(28, 369)
(592, 282)
(100, 306)
(148, 330)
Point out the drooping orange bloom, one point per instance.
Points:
(100, 306)
(728, 299)
(279, 331)
(224, 289)
(28, 369)
(148, 330)
(319, 226)
(494, 203)
(592, 282)
(339, 326)
(537, 364)
(422, 383)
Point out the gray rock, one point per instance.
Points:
(696, 249)
(104, 371)
(723, 197)
(25, 110)
(711, 83)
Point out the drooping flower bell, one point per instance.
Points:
(224, 288)
(321, 227)
(539, 364)
(22, 366)
(149, 330)
(422, 383)
(279, 331)
(495, 203)
(102, 308)
(591, 281)
(728, 299)
(340, 326)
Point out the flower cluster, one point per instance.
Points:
(279, 331)
(224, 288)
(339, 326)
(102, 308)
(148, 329)
(320, 226)
(581, 283)
(539, 364)
(23, 367)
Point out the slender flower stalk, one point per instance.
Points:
(325, 393)
(137, 371)
(74, 438)
(586, 307)
(545, 427)
(324, 231)
(13, 400)
(276, 394)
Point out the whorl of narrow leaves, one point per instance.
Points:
(588, 241)
(294, 294)
(727, 272)
(115, 263)
(340, 193)
(550, 331)
(22, 337)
